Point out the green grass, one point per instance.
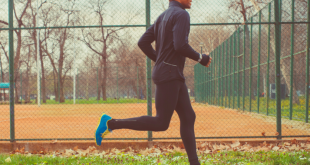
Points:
(298, 111)
(240, 158)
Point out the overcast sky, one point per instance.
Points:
(121, 12)
(121, 8)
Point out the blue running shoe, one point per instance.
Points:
(102, 129)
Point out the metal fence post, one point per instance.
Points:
(202, 84)
(195, 81)
(277, 64)
(243, 77)
(211, 80)
(198, 87)
(222, 73)
(215, 76)
(212, 75)
(205, 84)
(78, 84)
(208, 83)
(234, 70)
(198, 84)
(148, 69)
(40, 88)
(226, 72)
(292, 61)
(268, 58)
(117, 84)
(250, 83)
(138, 96)
(229, 70)
(238, 70)
(307, 67)
(258, 63)
(203, 79)
(21, 88)
(11, 66)
(219, 74)
(58, 87)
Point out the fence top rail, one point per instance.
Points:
(130, 26)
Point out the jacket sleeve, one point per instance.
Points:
(181, 30)
(145, 43)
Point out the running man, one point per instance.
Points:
(170, 32)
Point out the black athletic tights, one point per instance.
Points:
(169, 96)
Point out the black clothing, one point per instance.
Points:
(169, 96)
(170, 31)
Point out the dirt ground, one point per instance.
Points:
(80, 121)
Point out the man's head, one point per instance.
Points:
(186, 3)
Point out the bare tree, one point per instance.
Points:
(3, 43)
(19, 19)
(131, 61)
(88, 72)
(33, 34)
(56, 47)
(100, 41)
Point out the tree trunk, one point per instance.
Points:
(104, 84)
(17, 62)
(43, 77)
(60, 65)
(99, 84)
(61, 80)
(56, 86)
(128, 93)
(134, 88)
(62, 96)
(27, 93)
(87, 94)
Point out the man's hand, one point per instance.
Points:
(209, 61)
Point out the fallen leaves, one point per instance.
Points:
(276, 148)
(236, 144)
(157, 150)
(292, 145)
(294, 141)
(182, 146)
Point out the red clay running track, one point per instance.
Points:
(80, 121)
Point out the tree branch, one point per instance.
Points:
(3, 22)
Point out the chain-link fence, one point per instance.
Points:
(68, 61)
(245, 76)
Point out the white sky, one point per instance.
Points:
(117, 12)
(200, 9)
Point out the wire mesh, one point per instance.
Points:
(256, 69)
(74, 60)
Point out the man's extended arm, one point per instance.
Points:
(145, 43)
(180, 38)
